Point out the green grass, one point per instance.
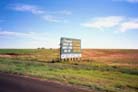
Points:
(17, 51)
(45, 55)
(94, 76)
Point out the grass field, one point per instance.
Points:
(102, 70)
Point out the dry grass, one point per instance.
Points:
(102, 69)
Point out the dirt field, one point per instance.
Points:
(90, 53)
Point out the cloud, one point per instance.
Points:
(25, 39)
(50, 16)
(120, 23)
(37, 37)
(29, 8)
(103, 22)
(11, 33)
(63, 12)
(54, 19)
(130, 25)
(129, 1)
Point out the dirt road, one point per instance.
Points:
(16, 83)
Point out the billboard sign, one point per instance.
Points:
(70, 48)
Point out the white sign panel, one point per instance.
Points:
(70, 48)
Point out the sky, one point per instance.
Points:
(109, 24)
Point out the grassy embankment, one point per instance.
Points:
(109, 70)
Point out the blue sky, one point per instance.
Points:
(41, 23)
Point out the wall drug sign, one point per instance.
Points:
(70, 48)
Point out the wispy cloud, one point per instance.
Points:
(25, 39)
(37, 37)
(118, 22)
(129, 1)
(29, 8)
(11, 33)
(63, 12)
(50, 16)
